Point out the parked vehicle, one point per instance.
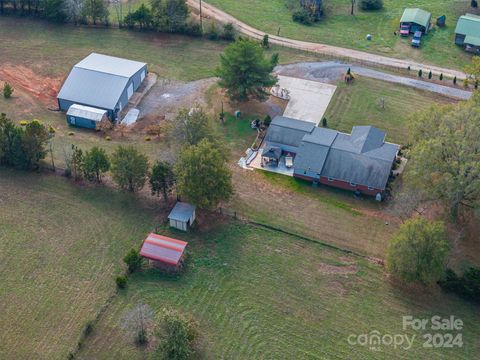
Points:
(404, 30)
(417, 39)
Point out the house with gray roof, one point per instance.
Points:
(103, 82)
(360, 161)
(467, 33)
(287, 133)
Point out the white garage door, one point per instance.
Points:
(142, 75)
(130, 91)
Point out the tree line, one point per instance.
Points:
(160, 15)
(200, 175)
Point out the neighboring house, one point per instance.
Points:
(467, 33)
(163, 252)
(182, 216)
(287, 134)
(85, 116)
(416, 19)
(103, 82)
(361, 161)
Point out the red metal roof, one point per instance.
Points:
(162, 248)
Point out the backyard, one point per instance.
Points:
(339, 28)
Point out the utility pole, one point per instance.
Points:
(201, 21)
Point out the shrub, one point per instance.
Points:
(121, 281)
(71, 133)
(420, 73)
(267, 120)
(324, 122)
(212, 32)
(51, 130)
(179, 336)
(148, 138)
(467, 286)
(265, 41)
(441, 77)
(302, 16)
(465, 82)
(108, 138)
(141, 337)
(133, 260)
(229, 32)
(430, 75)
(455, 80)
(7, 90)
(23, 122)
(371, 4)
(194, 29)
(88, 328)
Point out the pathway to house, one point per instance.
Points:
(335, 51)
(332, 72)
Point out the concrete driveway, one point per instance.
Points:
(308, 99)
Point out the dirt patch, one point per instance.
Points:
(336, 287)
(328, 269)
(42, 88)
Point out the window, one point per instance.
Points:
(330, 179)
(370, 188)
(352, 184)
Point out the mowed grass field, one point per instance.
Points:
(360, 104)
(339, 28)
(61, 246)
(258, 294)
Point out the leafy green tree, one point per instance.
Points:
(33, 140)
(178, 335)
(129, 168)
(192, 126)
(54, 10)
(203, 176)
(76, 162)
(162, 179)
(141, 17)
(229, 32)
(95, 164)
(7, 90)
(244, 71)
(133, 260)
(371, 4)
(418, 252)
(170, 15)
(473, 69)
(445, 153)
(95, 10)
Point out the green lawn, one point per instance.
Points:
(52, 50)
(60, 247)
(360, 104)
(339, 28)
(258, 294)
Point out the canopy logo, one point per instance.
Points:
(438, 332)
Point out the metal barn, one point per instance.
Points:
(163, 252)
(85, 116)
(182, 216)
(103, 82)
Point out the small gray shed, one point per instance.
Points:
(182, 216)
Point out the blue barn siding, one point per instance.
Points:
(81, 122)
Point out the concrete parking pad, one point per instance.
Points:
(308, 99)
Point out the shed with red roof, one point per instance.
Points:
(162, 251)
